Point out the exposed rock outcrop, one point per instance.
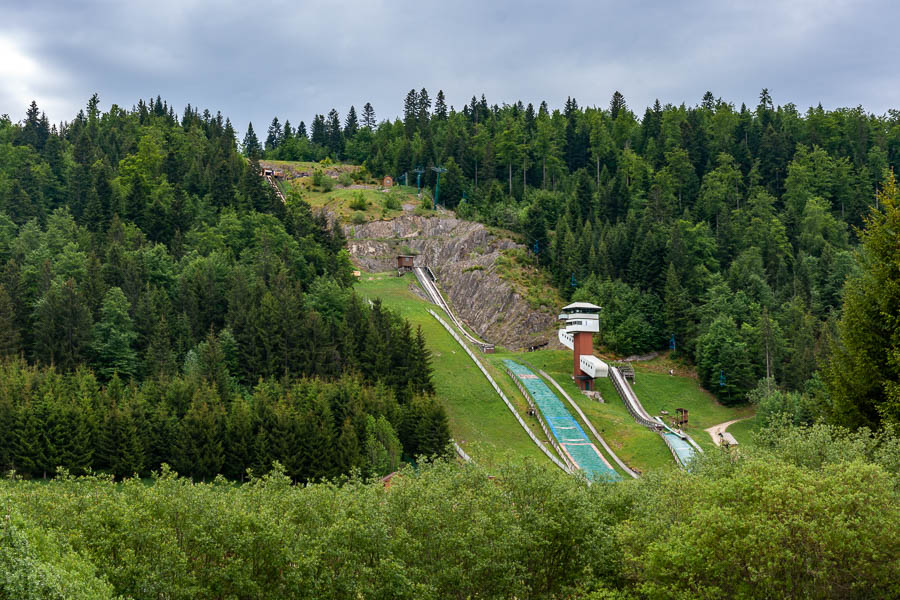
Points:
(463, 256)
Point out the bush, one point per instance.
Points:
(359, 202)
(345, 179)
(358, 218)
(391, 202)
(321, 180)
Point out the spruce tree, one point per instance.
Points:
(420, 375)
(335, 134)
(62, 325)
(159, 360)
(440, 106)
(348, 448)
(616, 105)
(410, 113)
(10, 338)
(273, 139)
(27, 455)
(251, 143)
(240, 428)
(318, 133)
(351, 124)
(114, 337)
(864, 371)
(200, 450)
(121, 446)
(423, 106)
(368, 116)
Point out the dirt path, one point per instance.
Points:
(715, 430)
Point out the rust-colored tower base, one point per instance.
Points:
(584, 344)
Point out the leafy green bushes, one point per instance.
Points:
(358, 202)
(809, 513)
(35, 566)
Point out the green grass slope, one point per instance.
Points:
(479, 420)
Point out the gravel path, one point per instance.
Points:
(715, 430)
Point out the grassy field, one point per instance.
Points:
(664, 392)
(479, 420)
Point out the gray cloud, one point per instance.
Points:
(294, 59)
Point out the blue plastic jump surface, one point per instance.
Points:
(682, 449)
(565, 429)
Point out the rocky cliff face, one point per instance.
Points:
(463, 256)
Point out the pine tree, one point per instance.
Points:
(440, 106)
(301, 131)
(273, 139)
(10, 338)
(411, 113)
(62, 326)
(251, 143)
(368, 116)
(114, 337)
(864, 371)
(351, 124)
(201, 452)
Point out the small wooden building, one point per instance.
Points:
(681, 417)
(404, 263)
(387, 182)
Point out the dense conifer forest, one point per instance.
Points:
(158, 303)
(724, 232)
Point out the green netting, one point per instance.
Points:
(565, 429)
(585, 455)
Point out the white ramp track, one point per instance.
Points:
(630, 399)
(435, 294)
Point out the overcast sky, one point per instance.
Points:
(297, 58)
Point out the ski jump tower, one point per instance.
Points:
(582, 321)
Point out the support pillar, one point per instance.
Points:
(584, 344)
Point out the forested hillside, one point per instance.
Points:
(158, 289)
(724, 232)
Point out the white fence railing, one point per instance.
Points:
(540, 418)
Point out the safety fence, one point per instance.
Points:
(540, 419)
